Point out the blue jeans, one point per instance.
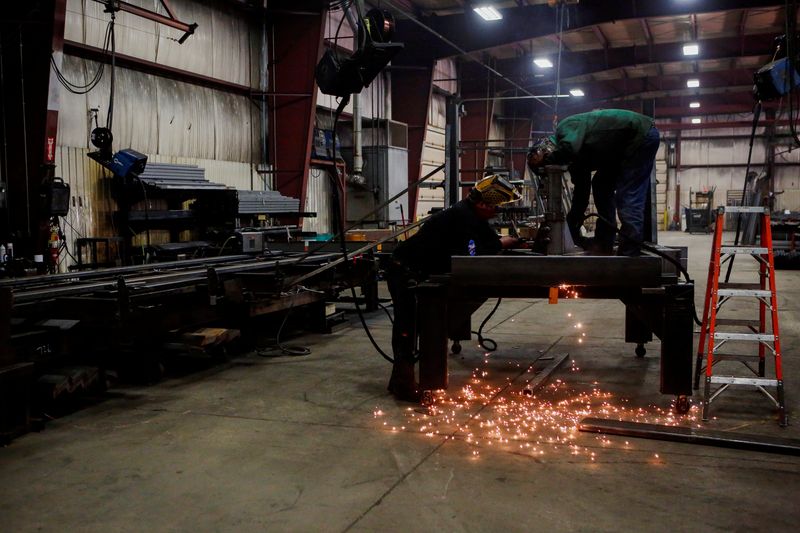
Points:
(623, 191)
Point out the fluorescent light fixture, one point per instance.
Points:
(576, 92)
(692, 83)
(696, 121)
(694, 105)
(488, 13)
(691, 49)
(543, 62)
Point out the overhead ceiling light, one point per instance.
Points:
(693, 83)
(694, 105)
(696, 121)
(543, 62)
(488, 12)
(576, 92)
(691, 49)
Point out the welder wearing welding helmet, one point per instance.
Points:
(462, 229)
(620, 147)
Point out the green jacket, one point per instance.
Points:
(590, 141)
(599, 138)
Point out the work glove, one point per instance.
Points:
(508, 241)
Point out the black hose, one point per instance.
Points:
(485, 342)
(339, 220)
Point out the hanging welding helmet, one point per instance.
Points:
(494, 190)
(540, 153)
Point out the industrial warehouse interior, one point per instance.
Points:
(399, 265)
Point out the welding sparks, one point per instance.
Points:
(490, 411)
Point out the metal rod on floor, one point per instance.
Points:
(723, 439)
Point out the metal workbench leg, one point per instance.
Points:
(677, 340)
(432, 328)
(636, 331)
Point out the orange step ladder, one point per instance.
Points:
(717, 294)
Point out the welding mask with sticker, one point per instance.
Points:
(494, 190)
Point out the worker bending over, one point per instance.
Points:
(620, 147)
(462, 229)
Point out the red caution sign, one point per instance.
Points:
(50, 150)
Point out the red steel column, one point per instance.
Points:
(475, 125)
(53, 104)
(411, 97)
(520, 131)
(294, 51)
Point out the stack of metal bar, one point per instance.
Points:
(266, 202)
(167, 176)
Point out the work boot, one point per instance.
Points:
(402, 383)
(596, 247)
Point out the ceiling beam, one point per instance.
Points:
(743, 25)
(528, 22)
(601, 90)
(601, 38)
(589, 62)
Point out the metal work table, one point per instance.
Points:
(656, 303)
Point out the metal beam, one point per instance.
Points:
(743, 27)
(529, 22)
(602, 39)
(682, 126)
(634, 88)
(476, 122)
(171, 20)
(411, 96)
(722, 439)
(142, 65)
(555, 270)
(583, 63)
(297, 41)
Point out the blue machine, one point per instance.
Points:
(124, 163)
(775, 79)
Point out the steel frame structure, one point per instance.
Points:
(655, 303)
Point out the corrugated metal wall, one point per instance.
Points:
(168, 120)
(433, 154)
(224, 46)
(319, 200)
(704, 147)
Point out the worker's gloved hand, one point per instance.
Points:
(508, 241)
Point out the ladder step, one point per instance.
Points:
(756, 293)
(735, 357)
(725, 336)
(743, 322)
(751, 250)
(744, 209)
(755, 382)
(732, 285)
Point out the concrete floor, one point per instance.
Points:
(315, 443)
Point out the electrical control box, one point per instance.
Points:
(252, 242)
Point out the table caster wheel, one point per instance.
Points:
(427, 398)
(456, 348)
(640, 350)
(682, 404)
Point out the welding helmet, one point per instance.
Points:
(494, 190)
(540, 152)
